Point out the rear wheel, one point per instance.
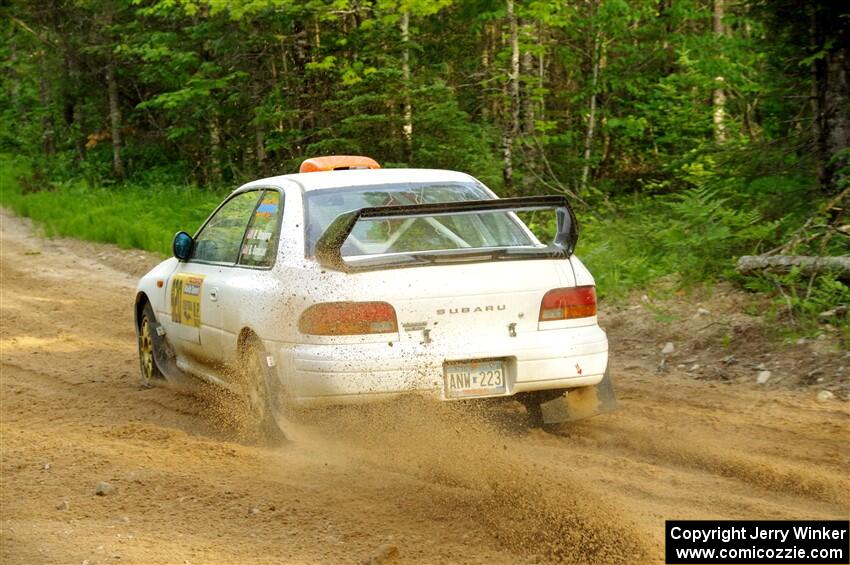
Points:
(147, 364)
(580, 403)
(258, 395)
(532, 402)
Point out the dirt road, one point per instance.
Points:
(438, 484)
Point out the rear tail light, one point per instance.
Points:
(568, 303)
(348, 318)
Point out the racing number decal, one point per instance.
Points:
(186, 300)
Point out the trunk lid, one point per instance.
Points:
(464, 300)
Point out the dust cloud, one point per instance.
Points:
(476, 460)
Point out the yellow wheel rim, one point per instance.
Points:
(146, 350)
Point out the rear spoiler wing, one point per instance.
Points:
(328, 250)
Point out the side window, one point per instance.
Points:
(260, 245)
(219, 241)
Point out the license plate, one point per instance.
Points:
(475, 378)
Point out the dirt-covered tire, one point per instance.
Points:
(535, 415)
(258, 397)
(532, 402)
(150, 373)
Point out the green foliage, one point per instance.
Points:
(694, 236)
(806, 303)
(135, 216)
(448, 139)
(704, 232)
(221, 91)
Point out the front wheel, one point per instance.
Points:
(150, 373)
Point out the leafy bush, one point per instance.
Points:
(695, 235)
(805, 303)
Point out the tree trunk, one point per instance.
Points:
(591, 118)
(115, 122)
(668, 57)
(490, 104)
(79, 133)
(719, 96)
(259, 128)
(407, 126)
(750, 264)
(512, 127)
(75, 100)
(837, 120)
(260, 141)
(48, 134)
(486, 58)
(606, 151)
(831, 101)
(48, 126)
(526, 103)
(14, 78)
(541, 70)
(215, 150)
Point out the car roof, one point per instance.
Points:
(359, 177)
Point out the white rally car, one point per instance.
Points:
(350, 283)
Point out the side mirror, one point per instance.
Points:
(182, 245)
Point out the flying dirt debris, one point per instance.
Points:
(441, 482)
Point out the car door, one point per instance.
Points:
(251, 285)
(195, 321)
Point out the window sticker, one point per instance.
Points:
(254, 250)
(186, 299)
(261, 237)
(266, 209)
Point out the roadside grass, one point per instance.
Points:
(130, 215)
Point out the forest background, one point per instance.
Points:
(687, 133)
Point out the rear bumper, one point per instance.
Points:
(352, 373)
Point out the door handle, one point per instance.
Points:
(214, 294)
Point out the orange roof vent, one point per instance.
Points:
(337, 163)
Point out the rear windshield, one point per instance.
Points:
(407, 235)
